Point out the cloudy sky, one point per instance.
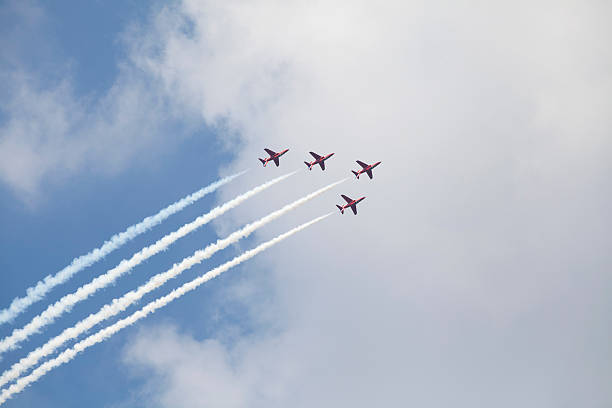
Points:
(477, 273)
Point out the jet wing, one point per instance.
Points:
(276, 161)
(316, 156)
(354, 208)
(347, 199)
(270, 152)
(369, 173)
(322, 163)
(362, 164)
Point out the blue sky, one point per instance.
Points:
(84, 41)
(477, 270)
(91, 56)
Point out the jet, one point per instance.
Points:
(349, 203)
(273, 156)
(365, 168)
(318, 160)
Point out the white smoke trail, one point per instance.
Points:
(120, 304)
(37, 292)
(107, 332)
(82, 293)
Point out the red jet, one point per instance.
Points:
(273, 156)
(366, 168)
(349, 203)
(318, 160)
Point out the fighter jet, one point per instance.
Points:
(349, 203)
(366, 168)
(273, 156)
(318, 160)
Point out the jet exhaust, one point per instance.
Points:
(107, 332)
(65, 303)
(38, 291)
(120, 304)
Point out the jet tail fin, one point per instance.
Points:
(340, 208)
(263, 162)
(309, 166)
(356, 174)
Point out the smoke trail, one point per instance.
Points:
(107, 332)
(120, 304)
(82, 293)
(37, 292)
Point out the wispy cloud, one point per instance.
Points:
(51, 129)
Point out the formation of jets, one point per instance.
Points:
(320, 160)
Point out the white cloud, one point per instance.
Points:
(476, 271)
(215, 387)
(50, 132)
